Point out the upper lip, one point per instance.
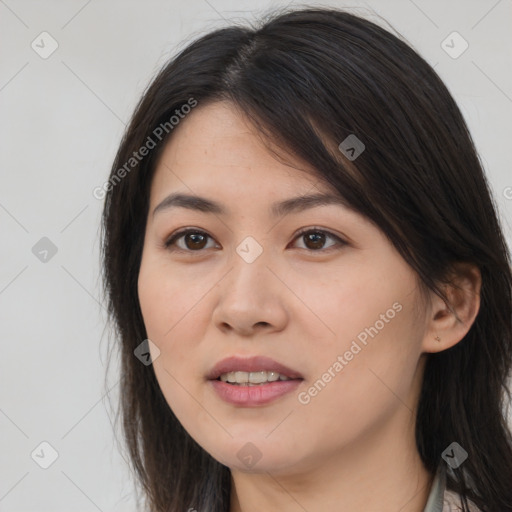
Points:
(251, 364)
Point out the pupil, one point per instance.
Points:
(194, 238)
(316, 239)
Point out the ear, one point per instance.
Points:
(448, 323)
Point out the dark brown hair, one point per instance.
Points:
(308, 78)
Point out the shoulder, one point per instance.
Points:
(452, 503)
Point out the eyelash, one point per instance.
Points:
(181, 233)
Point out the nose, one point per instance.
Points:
(251, 298)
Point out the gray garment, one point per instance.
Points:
(435, 500)
(442, 499)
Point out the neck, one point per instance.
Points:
(378, 472)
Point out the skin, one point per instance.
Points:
(352, 446)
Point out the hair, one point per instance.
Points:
(308, 78)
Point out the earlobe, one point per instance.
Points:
(450, 321)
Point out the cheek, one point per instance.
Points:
(168, 315)
(175, 320)
(371, 387)
(365, 304)
(378, 339)
(380, 378)
(166, 298)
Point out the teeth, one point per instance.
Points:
(252, 378)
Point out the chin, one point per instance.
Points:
(256, 455)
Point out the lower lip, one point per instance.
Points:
(248, 396)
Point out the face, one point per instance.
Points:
(318, 290)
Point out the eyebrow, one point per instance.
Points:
(292, 205)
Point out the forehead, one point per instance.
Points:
(215, 145)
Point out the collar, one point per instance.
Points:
(435, 500)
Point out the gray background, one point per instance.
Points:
(63, 118)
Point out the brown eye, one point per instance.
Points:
(196, 240)
(315, 239)
(193, 240)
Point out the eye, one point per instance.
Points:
(194, 240)
(315, 239)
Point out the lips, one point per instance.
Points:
(251, 364)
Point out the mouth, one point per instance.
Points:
(240, 378)
(252, 381)
(252, 370)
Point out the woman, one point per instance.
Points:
(299, 236)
